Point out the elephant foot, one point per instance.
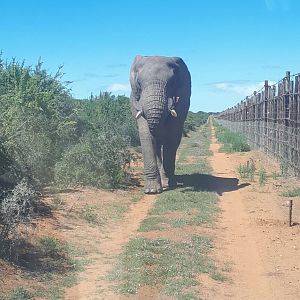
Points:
(170, 184)
(153, 187)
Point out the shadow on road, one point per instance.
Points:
(204, 182)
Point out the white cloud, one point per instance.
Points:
(121, 88)
(239, 88)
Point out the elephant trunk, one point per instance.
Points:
(155, 105)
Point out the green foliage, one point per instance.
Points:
(97, 160)
(274, 175)
(161, 261)
(262, 175)
(46, 135)
(36, 120)
(247, 170)
(295, 192)
(284, 168)
(194, 120)
(19, 293)
(109, 114)
(232, 141)
(15, 208)
(89, 214)
(50, 245)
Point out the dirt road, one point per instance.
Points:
(252, 239)
(93, 284)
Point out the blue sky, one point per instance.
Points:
(230, 46)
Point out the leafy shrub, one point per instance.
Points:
(49, 246)
(247, 170)
(37, 120)
(232, 141)
(16, 208)
(194, 120)
(262, 176)
(19, 293)
(97, 160)
(42, 126)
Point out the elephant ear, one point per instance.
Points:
(135, 86)
(183, 80)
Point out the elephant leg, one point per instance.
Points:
(169, 157)
(164, 179)
(151, 170)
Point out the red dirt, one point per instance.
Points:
(92, 281)
(253, 238)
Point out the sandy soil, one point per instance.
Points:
(252, 238)
(93, 284)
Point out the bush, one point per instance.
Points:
(194, 120)
(42, 126)
(232, 141)
(97, 160)
(19, 293)
(37, 120)
(16, 208)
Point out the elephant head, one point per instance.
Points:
(156, 90)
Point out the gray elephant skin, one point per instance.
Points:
(160, 100)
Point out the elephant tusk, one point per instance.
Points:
(173, 113)
(139, 114)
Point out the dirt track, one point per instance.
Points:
(93, 284)
(251, 238)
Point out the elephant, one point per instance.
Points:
(160, 100)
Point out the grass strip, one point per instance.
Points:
(232, 141)
(173, 265)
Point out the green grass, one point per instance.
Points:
(89, 214)
(185, 200)
(161, 261)
(247, 170)
(19, 293)
(197, 145)
(284, 169)
(295, 192)
(174, 265)
(262, 176)
(151, 223)
(57, 202)
(232, 141)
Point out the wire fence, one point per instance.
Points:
(270, 120)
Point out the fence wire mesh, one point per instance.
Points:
(270, 120)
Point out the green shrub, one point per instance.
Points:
(247, 170)
(42, 126)
(16, 208)
(194, 120)
(50, 246)
(232, 141)
(98, 161)
(19, 293)
(262, 176)
(295, 192)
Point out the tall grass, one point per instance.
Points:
(232, 141)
